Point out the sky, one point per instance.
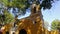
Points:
(53, 13)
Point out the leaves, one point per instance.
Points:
(46, 4)
(6, 17)
(56, 25)
(23, 4)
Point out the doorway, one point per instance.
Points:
(7, 32)
(22, 31)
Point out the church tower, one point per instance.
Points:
(32, 24)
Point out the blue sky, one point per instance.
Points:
(53, 13)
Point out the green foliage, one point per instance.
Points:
(23, 4)
(5, 2)
(16, 3)
(56, 25)
(46, 4)
(6, 17)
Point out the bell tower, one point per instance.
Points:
(37, 19)
(36, 12)
(34, 23)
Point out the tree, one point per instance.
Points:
(6, 17)
(19, 4)
(55, 25)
